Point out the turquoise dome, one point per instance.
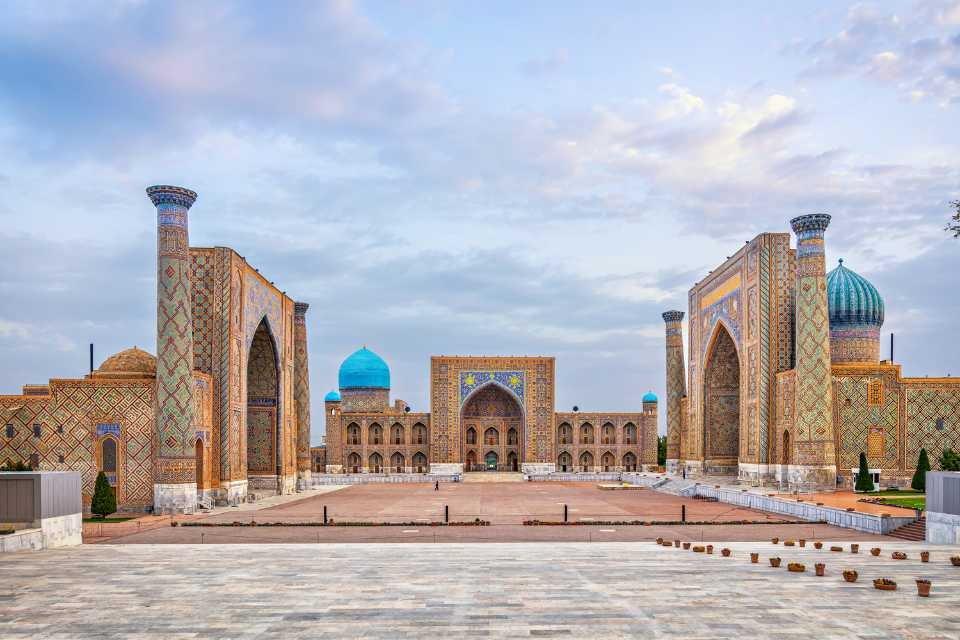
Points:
(649, 396)
(332, 396)
(363, 369)
(853, 301)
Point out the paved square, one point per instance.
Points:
(608, 590)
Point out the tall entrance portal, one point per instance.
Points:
(721, 405)
(492, 423)
(263, 459)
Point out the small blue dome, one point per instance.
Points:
(332, 396)
(649, 396)
(363, 369)
(853, 301)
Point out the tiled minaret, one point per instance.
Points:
(676, 386)
(175, 480)
(813, 443)
(301, 393)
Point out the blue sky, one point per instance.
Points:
(473, 178)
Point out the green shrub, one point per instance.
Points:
(949, 461)
(864, 479)
(16, 466)
(104, 499)
(919, 481)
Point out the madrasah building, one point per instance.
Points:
(785, 381)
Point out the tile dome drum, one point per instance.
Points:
(363, 369)
(856, 315)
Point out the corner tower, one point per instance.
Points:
(676, 386)
(813, 441)
(301, 393)
(175, 477)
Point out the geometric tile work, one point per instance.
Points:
(261, 440)
(721, 384)
(857, 419)
(933, 420)
(262, 391)
(301, 391)
(676, 386)
(203, 269)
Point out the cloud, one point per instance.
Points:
(546, 65)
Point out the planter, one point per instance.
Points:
(686, 546)
(666, 543)
(698, 549)
(923, 588)
(710, 549)
(676, 543)
(659, 540)
(789, 543)
(803, 543)
(898, 555)
(725, 552)
(924, 556)
(796, 567)
(875, 551)
(754, 558)
(850, 575)
(884, 584)
(854, 548)
(820, 568)
(955, 561)
(836, 549)
(774, 562)
(818, 545)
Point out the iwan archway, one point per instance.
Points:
(721, 404)
(492, 436)
(263, 433)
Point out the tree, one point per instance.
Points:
(661, 450)
(919, 481)
(864, 479)
(954, 225)
(949, 461)
(104, 499)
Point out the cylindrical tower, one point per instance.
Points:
(175, 479)
(301, 393)
(856, 316)
(334, 432)
(813, 443)
(676, 387)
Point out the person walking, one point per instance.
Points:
(436, 486)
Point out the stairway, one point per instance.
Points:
(915, 531)
(492, 476)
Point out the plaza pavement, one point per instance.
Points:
(599, 590)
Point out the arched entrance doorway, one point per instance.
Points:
(721, 404)
(198, 454)
(263, 460)
(492, 415)
(565, 462)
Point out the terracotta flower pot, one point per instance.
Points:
(836, 549)
(820, 568)
(796, 567)
(774, 562)
(850, 575)
(754, 558)
(725, 552)
(698, 549)
(676, 543)
(789, 543)
(955, 561)
(854, 548)
(818, 545)
(686, 546)
(775, 540)
(923, 588)
(898, 555)
(659, 540)
(875, 551)
(803, 543)
(924, 556)
(710, 549)
(884, 584)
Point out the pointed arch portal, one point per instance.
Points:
(492, 415)
(721, 403)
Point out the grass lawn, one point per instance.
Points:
(115, 519)
(915, 501)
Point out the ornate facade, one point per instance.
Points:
(222, 411)
(784, 379)
(486, 413)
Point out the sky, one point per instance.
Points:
(536, 178)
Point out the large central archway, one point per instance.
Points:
(721, 404)
(492, 435)
(263, 452)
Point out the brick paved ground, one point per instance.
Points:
(608, 590)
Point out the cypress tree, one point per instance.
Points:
(864, 479)
(104, 499)
(919, 481)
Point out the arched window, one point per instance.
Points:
(419, 434)
(629, 462)
(471, 460)
(491, 436)
(586, 461)
(564, 434)
(608, 461)
(586, 433)
(108, 456)
(376, 463)
(375, 434)
(512, 437)
(353, 434)
(471, 436)
(630, 433)
(565, 462)
(396, 433)
(396, 461)
(512, 461)
(420, 462)
(353, 462)
(198, 454)
(609, 434)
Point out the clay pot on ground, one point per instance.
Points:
(803, 543)
(686, 545)
(898, 555)
(796, 567)
(850, 575)
(698, 549)
(875, 551)
(676, 543)
(775, 540)
(710, 548)
(854, 548)
(774, 562)
(818, 545)
(754, 558)
(725, 552)
(884, 584)
(820, 568)
(836, 549)
(789, 543)
(659, 540)
(924, 556)
(923, 588)
(955, 561)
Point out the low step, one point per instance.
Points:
(492, 476)
(914, 532)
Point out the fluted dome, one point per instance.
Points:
(332, 396)
(649, 396)
(129, 362)
(852, 300)
(363, 369)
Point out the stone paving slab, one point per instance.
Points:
(608, 590)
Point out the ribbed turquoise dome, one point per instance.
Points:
(853, 301)
(649, 396)
(332, 396)
(363, 369)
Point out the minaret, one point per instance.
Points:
(301, 393)
(174, 475)
(676, 386)
(813, 445)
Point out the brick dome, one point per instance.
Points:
(129, 362)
